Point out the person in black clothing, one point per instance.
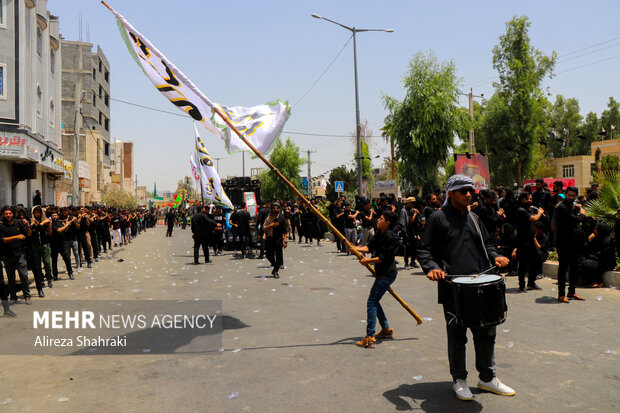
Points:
(509, 205)
(261, 215)
(242, 225)
(488, 212)
(568, 216)
(170, 220)
(338, 222)
(295, 222)
(368, 217)
(13, 233)
(455, 242)
(202, 230)
(218, 232)
(507, 246)
(383, 249)
(307, 223)
(275, 231)
(41, 228)
(526, 249)
(600, 256)
(541, 242)
(82, 226)
(36, 200)
(432, 205)
(59, 245)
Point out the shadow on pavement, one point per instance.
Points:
(547, 300)
(429, 397)
(345, 341)
(168, 341)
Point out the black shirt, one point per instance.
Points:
(525, 227)
(39, 235)
(15, 248)
(202, 225)
(384, 245)
(349, 222)
(243, 220)
(365, 222)
(452, 243)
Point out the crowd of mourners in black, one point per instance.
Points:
(32, 240)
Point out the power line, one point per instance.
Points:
(324, 71)
(489, 79)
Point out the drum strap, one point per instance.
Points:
(484, 248)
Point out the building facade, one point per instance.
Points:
(31, 155)
(86, 109)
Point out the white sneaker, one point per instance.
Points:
(497, 387)
(462, 391)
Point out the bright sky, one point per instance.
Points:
(246, 53)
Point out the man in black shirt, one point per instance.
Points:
(261, 215)
(170, 219)
(218, 232)
(383, 248)
(276, 230)
(455, 242)
(369, 221)
(350, 228)
(242, 226)
(59, 245)
(41, 227)
(202, 230)
(526, 250)
(568, 216)
(13, 233)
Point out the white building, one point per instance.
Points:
(30, 101)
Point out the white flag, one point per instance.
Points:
(261, 124)
(194, 164)
(209, 179)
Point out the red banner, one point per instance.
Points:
(475, 166)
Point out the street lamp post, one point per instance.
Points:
(358, 141)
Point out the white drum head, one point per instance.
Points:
(481, 279)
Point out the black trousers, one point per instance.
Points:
(528, 262)
(169, 231)
(66, 257)
(198, 242)
(567, 257)
(273, 247)
(484, 344)
(218, 241)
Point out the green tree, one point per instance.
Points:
(348, 178)
(610, 163)
(611, 117)
(588, 133)
(286, 158)
(514, 116)
(423, 125)
(565, 122)
(119, 199)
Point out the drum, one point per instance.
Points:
(479, 301)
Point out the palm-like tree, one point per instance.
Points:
(606, 206)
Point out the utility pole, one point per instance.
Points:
(309, 173)
(77, 126)
(472, 145)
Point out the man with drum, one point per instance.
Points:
(455, 242)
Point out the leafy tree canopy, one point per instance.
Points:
(286, 158)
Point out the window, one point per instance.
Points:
(107, 124)
(100, 118)
(94, 73)
(100, 65)
(39, 41)
(52, 114)
(106, 149)
(39, 100)
(100, 92)
(568, 171)
(94, 99)
(52, 60)
(107, 76)
(2, 24)
(107, 100)
(2, 81)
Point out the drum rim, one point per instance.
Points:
(482, 278)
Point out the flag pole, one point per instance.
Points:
(313, 209)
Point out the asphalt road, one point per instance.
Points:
(289, 344)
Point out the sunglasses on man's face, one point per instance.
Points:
(465, 191)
